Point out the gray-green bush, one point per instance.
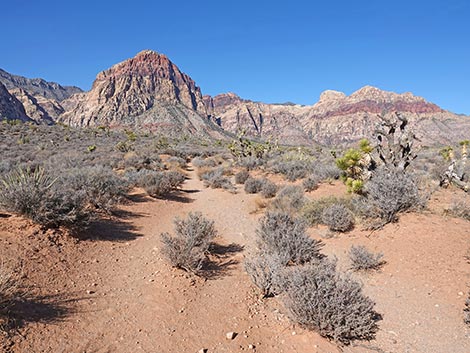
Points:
(187, 248)
(363, 260)
(319, 297)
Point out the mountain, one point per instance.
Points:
(145, 91)
(336, 118)
(10, 107)
(38, 87)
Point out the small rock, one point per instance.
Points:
(251, 346)
(90, 292)
(231, 335)
(460, 293)
(294, 333)
(203, 350)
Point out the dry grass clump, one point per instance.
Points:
(188, 247)
(265, 270)
(363, 260)
(460, 208)
(253, 185)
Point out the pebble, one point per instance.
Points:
(231, 335)
(90, 292)
(202, 350)
(251, 346)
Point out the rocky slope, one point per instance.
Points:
(337, 118)
(10, 107)
(37, 86)
(145, 91)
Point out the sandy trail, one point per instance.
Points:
(129, 300)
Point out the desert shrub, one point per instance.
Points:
(103, 188)
(466, 311)
(285, 236)
(158, 184)
(188, 248)
(265, 271)
(331, 303)
(136, 161)
(311, 182)
(36, 195)
(250, 162)
(176, 162)
(292, 170)
(268, 188)
(215, 178)
(325, 171)
(253, 185)
(175, 178)
(289, 199)
(199, 162)
(460, 208)
(313, 210)
(338, 218)
(8, 292)
(389, 192)
(242, 176)
(362, 259)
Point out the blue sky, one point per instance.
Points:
(267, 51)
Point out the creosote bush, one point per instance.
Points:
(363, 260)
(285, 236)
(216, 179)
(329, 302)
(338, 218)
(188, 248)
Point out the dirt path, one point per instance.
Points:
(114, 293)
(127, 299)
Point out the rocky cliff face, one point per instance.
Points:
(10, 107)
(147, 90)
(339, 119)
(38, 87)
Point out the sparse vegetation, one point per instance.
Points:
(331, 303)
(283, 235)
(338, 218)
(242, 176)
(265, 270)
(187, 248)
(363, 260)
(313, 210)
(389, 192)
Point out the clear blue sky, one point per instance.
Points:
(268, 51)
